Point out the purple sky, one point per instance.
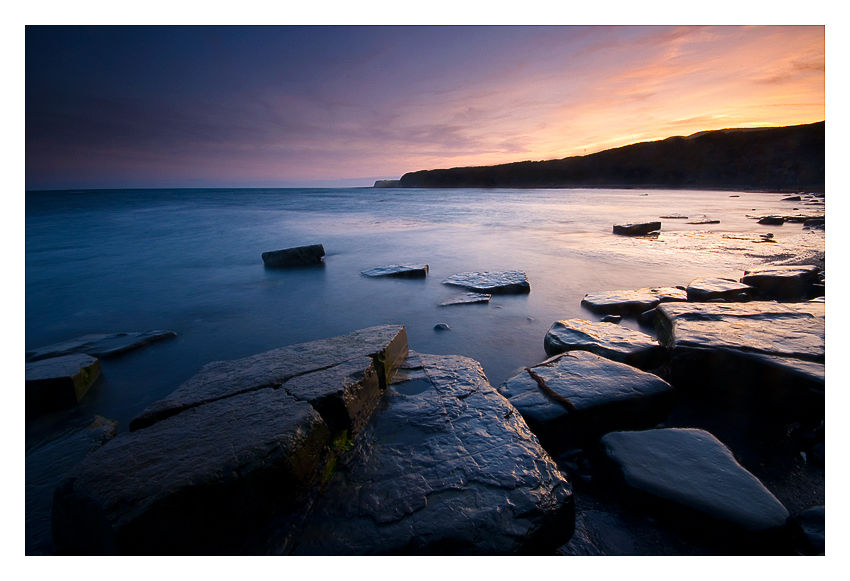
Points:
(288, 106)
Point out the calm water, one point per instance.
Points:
(189, 261)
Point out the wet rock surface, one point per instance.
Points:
(467, 299)
(507, 282)
(784, 283)
(640, 229)
(99, 345)
(398, 271)
(691, 472)
(631, 302)
(573, 398)
(59, 382)
(812, 523)
(445, 466)
(609, 340)
(706, 289)
(298, 256)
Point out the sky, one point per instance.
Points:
(283, 106)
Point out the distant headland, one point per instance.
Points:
(764, 158)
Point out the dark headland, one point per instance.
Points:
(765, 158)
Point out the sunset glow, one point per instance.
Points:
(278, 106)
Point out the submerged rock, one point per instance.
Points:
(99, 345)
(629, 302)
(609, 340)
(785, 283)
(445, 466)
(576, 397)
(691, 474)
(58, 383)
(399, 271)
(508, 282)
(467, 299)
(706, 289)
(636, 229)
(299, 256)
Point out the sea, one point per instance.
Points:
(189, 261)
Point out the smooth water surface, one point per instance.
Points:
(189, 261)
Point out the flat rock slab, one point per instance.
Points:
(674, 217)
(707, 289)
(576, 397)
(385, 345)
(192, 483)
(610, 340)
(99, 345)
(771, 351)
(58, 383)
(444, 466)
(299, 256)
(631, 302)
(636, 229)
(467, 299)
(691, 472)
(788, 283)
(398, 271)
(508, 282)
(699, 221)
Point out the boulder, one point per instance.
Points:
(706, 289)
(299, 256)
(99, 345)
(46, 465)
(785, 283)
(629, 302)
(467, 299)
(772, 352)
(609, 340)
(194, 483)
(398, 271)
(444, 466)
(508, 282)
(58, 383)
(573, 398)
(636, 229)
(690, 475)
(385, 345)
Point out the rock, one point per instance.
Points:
(772, 220)
(636, 229)
(442, 327)
(299, 256)
(606, 339)
(767, 351)
(814, 224)
(399, 271)
(785, 283)
(647, 318)
(445, 466)
(194, 483)
(627, 302)
(704, 221)
(58, 383)
(102, 345)
(573, 398)
(386, 184)
(674, 217)
(386, 345)
(812, 523)
(45, 468)
(612, 318)
(706, 289)
(467, 299)
(690, 474)
(792, 199)
(508, 282)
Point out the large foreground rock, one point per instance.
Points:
(636, 229)
(99, 345)
(58, 383)
(690, 474)
(610, 340)
(508, 282)
(445, 466)
(629, 302)
(784, 283)
(385, 346)
(713, 289)
(770, 351)
(299, 256)
(398, 271)
(576, 397)
(193, 483)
